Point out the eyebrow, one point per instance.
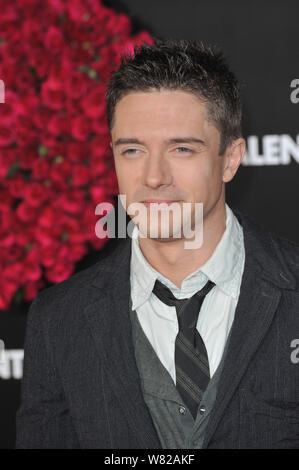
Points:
(176, 140)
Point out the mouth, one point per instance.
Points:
(155, 203)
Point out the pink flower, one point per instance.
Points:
(55, 159)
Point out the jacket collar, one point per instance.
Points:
(263, 247)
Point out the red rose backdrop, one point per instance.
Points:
(55, 160)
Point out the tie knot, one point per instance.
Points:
(187, 309)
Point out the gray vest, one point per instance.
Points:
(174, 424)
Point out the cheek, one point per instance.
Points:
(200, 180)
(122, 172)
(128, 181)
(212, 172)
(191, 177)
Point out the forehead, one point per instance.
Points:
(160, 111)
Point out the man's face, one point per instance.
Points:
(165, 149)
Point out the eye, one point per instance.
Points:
(130, 151)
(183, 149)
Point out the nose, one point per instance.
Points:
(156, 172)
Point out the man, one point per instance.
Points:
(157, 345)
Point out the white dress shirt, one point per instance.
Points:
(159, 321)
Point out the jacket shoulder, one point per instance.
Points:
(61, 305)
(71, 288)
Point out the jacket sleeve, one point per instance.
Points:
(43, 420)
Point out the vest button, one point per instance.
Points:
(202, 410)
(182, 410)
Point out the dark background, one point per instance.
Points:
(260, 41)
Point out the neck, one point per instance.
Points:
(173, 261)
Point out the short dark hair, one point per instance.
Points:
(184, 65)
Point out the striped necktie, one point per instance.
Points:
(191, 358)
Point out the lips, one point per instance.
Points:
(157, 202)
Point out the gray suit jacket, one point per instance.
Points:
(81, 387)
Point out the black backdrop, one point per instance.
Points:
(260, 40)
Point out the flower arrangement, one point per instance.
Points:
(55, 161)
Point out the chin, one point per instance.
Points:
(160, 233)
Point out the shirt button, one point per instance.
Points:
(182, 410)
(202, 410)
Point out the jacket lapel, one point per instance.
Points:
(109, 320)
(260, 292)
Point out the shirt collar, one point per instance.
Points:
(224, 267)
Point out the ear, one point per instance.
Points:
(110, 144)
(232, 159)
